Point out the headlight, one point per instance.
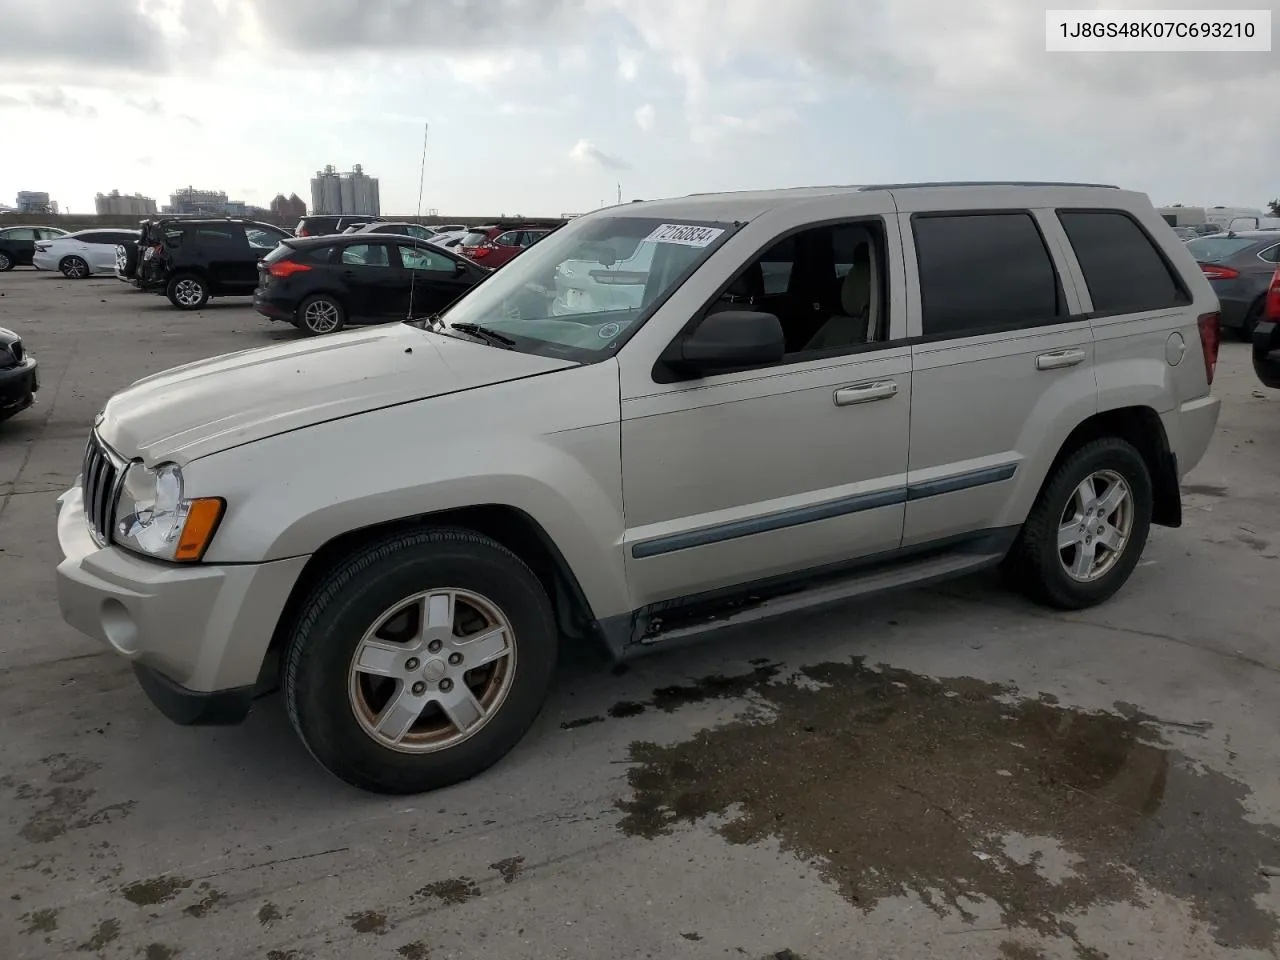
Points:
(154, 518)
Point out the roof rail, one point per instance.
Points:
(987, 183)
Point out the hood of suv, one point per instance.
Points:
(200, 408)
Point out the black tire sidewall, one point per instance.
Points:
(301, 324)
(1044, 576)
(171, 289)
(6, 262)
(319, 656)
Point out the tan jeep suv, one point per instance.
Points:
(805, 396)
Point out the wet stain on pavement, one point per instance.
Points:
(1013, 950)
(453, 890)
(286, 955)
(1205, 489)
(414, 951)
(895, 784)
(268, 913)
(103, 934)
(41, 921)
(206, 903)
(716, 687)
(510, 868)
(1256, 543)
(626, 708)
(67, 769)
(695, 937)
(368, 921)
(159, 951)
(148, 893)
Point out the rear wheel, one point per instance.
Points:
(420, 661)
(6, 261)
(319, 315)
(1251, 320)
(1087, 529)
(186, 291)
(74, 268)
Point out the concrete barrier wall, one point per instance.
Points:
(90, 221)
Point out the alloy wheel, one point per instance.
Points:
(320, 316)
(432, 671)
(1095, 526)
(75, 268)
(188, 292)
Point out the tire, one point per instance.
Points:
(6, 261)
(320, 314)
(187, 291)
(336, 709)
(1251, 320)
(1039, 569)
(74, 268)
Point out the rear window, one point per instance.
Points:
(1215, 249)
(981, 272)
(1123, 268)
(475, 238)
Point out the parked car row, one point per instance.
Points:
(18, 244)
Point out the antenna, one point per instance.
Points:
(619, 193)
(422, 179)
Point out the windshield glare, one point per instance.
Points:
(577, 292)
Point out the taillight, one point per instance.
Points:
(1218, 273)
(479, 252)
(1271, 309)
(286, 268)
(1210, 337)
(304, 232)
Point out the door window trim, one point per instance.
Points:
(661, 373)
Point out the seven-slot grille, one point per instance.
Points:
(102, 474)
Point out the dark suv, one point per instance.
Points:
(193, 260)
(322, 225)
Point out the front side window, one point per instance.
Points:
(571, 295)
(984, 272)
(420, 259)
(19, 233)
(1122, 266)
(366, 255)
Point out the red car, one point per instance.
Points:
(494, 245)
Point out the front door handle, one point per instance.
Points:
(1059, 359)
(865, 393)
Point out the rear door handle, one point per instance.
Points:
(1059, 359)
(865, 393)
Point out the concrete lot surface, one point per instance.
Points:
(945, 773)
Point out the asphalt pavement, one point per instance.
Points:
(948, 772)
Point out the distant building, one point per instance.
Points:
(354, 192)
(33, 201)
(188, 201)
(288, 208)
(117, 204)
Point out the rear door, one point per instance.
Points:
(1002, 360)
(231, 266)
(377, 287)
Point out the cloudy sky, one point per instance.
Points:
(546, 106)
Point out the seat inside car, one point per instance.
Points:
(858, 318)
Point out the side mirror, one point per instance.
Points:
(729, 340)
(459, 269)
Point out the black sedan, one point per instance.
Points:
(1266, 337)
(322, 284)
(19, 380)
(1239, 268)
(18, 244)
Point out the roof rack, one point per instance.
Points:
(987, 183)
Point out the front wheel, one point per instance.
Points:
(1087, 529)
(319, 315)
(420, 661)
(74, 268)
(186, 291)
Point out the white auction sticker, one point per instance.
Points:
(685, 234)
(1157, 31)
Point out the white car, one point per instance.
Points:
(82, 254)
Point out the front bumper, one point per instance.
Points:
(1266, 353)
(18, 387)
(197, 634)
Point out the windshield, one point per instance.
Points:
(577, 292)
(1215, 249)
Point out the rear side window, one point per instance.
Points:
(1124, 269)
(984, 272)
(1271, 254)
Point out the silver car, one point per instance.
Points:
(818, 394)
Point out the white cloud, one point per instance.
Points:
(584, 151)
(628, 63)
(645, 117)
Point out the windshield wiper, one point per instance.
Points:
(484, 333)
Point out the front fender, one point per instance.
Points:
(548, 446)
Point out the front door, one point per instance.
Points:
(1004, 363)
(434, 281)
(770, 472)
(377, 286)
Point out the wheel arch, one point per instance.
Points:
(1140, 426)
(510, 526)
